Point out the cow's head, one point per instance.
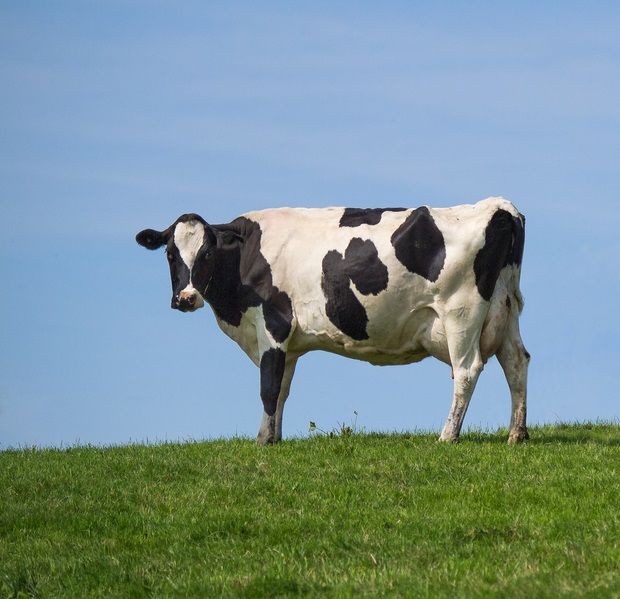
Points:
(186, 239)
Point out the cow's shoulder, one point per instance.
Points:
(252, 278)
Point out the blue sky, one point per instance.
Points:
(116, 116)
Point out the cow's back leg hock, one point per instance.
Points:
(514, 360)
(464, 347)
(276, 374)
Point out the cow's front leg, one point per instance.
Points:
(276, 374)
(465, 378)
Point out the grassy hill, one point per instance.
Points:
(351, 515)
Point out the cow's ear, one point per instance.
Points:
(227, 239)
(151, 239)
(210, 236)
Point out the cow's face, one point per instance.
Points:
(184, 240)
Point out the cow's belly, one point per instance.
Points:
(401, 334)
(403, 339)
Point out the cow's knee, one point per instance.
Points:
(465, 377)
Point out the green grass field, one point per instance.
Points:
(351, 515)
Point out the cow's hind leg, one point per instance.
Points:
(464, 347)
(514, 360)
(276, 374)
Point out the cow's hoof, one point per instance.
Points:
(265, 439)
(518, 436)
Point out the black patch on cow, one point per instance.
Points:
(271, 372)
(233, 275)
(504, 238)
(342, 307)
(360, 265)
(419, 244)
(216, 276)
(179, 273)
(278, 313)
(354, 217)
(364, 268)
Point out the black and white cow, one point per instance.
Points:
(388, 286)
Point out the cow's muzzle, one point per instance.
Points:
(187, 301)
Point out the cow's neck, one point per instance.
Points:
(228, 292)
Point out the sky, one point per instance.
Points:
(118, 116)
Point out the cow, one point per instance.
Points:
(383, 285)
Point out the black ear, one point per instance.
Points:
(151, 239)
(210, 236)
(226, 240)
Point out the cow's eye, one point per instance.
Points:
(169, 256)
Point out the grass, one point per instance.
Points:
(351, 515)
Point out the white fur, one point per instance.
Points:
(189, 237)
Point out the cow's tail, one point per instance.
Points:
(515, 257)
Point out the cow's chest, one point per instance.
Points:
(248, 333)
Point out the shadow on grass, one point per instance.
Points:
(271, 586)
(563, 439)
(603, 433)
(563, 434)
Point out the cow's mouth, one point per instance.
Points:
(187, 303)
